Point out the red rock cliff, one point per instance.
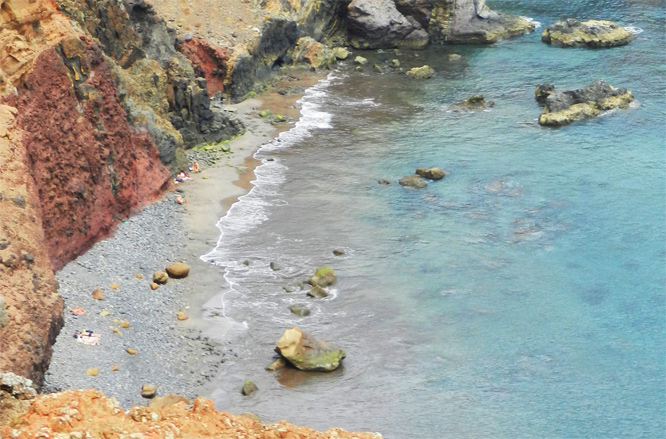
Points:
(71, 168)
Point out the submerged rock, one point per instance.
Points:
(413, 181)
(308, 353)
(424, 72)
(317, 292)
(300, 310)
(563, 108)
(474, 102)
(592, 33)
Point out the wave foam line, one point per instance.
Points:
(251, 209)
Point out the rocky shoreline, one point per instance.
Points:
(171, 354)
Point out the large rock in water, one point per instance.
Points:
(563, 108)
(592, 33)
(377, 24)
(308, 353)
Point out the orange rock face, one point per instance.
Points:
(91, 412)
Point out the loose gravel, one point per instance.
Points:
(170, 354)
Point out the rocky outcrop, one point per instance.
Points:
(305, 352)
(414, 23)
(563, 108)
(377, 24)
(311, 52)
(592, 33)
(88, 413)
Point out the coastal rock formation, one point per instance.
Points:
(305, 352)
(563, 108)
(413, 24)
(377, 24)
(592, 33)
(89, 413)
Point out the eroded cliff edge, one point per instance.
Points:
(100, 99)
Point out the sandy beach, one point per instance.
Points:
(176, 355)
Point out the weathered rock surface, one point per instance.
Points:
(423, 72)
(431, 173)
(308, 353)
(592, 33)
(323, 277)
(311, 52)
(317, 292)
(300, 310)
(563, 108)
(209, 62)
(15, 395)
(542, 91)
(160, 277)
(178, 270)
(377, 24)
(413, 181)
(148, 391)
(92, 413)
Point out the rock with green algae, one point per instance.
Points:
(307, 353)
(323, 277)
(563, 108)
(591, 33)
(423, 72)
(249, 388)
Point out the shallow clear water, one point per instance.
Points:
(522, 296)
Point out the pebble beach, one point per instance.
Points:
(141, 338)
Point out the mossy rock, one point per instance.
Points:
(305, 352)
(249, 388)
(323, 277)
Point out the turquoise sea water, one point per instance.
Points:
(522, 296)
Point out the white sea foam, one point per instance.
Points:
(537, 24)
(251, 209)
(634, 30)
